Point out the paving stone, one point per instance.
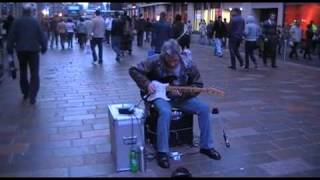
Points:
(283, 167)
(91, 170)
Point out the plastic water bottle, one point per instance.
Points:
(133, 161)
(142, 162)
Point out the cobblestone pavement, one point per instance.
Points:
(270, 115)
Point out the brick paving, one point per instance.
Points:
(270, 115)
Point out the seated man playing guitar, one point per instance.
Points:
(172, 63)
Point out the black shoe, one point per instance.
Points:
(100, 62)
(231, 67)
(32, 101)
(211, 153)
(163, 160)
(274, 66)
(118, 59)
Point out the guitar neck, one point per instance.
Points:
(195, 90)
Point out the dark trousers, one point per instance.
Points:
(30, 59)
(54, 39)
(250, 46)
(140, 38)
(307, 49)
(270, 50)
(94, 42)
(234, 45)
(108, 36)
(62, 39)
(82, 39)
(294, 50)
(70, 40)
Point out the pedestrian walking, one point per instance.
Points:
(97, 34)
(295, 39)
(108, 26)
(70, 30)
(62, 32)
(140, 26)
(54, 33)
(27, 44)
(251, 33)
(116, 35)
(235, 38)
(161, 32)
(269, 33)
(308, 43)
(219, 31)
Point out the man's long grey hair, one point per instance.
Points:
(171, 48)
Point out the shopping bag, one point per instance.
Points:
(12, 67)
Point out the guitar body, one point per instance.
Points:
(161, 87)
(161, 90)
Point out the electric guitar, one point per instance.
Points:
(162, 88)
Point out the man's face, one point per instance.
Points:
(172, 62)
(272, 17)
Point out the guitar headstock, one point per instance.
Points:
(212, 90)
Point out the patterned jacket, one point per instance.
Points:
(153, 69)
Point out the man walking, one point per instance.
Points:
(269, 33)
(219, 29)
(97, 36)
(54, 31)
(236, 34)
(116, 35)
(108, 25)
(27, 45)
(140, 26)
(161, 32)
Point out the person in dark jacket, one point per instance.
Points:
(127, 37)
(7, 24)
(161, 32)
(148, 29)
(171, 63)
(54, 31)
(210, 32)
(236, 35)
(116, 35)
(27, 45)
(219, 30)
(308, 46)
(269, 33)
(178, 30)
(140, 26)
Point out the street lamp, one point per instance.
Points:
(45, 12)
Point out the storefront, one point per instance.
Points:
(206, 11)
(303, 12)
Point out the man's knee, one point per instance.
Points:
(165, 112)
(204, 108)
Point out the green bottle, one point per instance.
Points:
(133, 161)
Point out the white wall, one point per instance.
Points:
(247, 8)
(191, 12)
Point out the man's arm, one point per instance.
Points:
(139, 74)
